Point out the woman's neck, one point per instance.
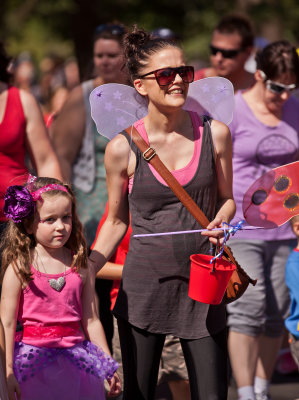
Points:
(254, 98)
(165, 121)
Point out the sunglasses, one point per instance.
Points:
(225, 53)
(165, 76)
(111, 28)
(279, 88)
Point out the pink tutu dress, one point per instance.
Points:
(52, 359)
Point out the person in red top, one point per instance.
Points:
(231, 45)
(22, 130)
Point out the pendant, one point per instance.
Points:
(57, 284)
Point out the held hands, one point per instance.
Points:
(214, 235)
(13, 387)
(115, 385)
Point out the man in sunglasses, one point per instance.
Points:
(231, 45)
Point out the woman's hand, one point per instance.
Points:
(215, 237)
(115, 385)
(13, 387)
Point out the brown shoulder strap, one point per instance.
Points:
(149, 154)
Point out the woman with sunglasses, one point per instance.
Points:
(265, 131)
(153, 297)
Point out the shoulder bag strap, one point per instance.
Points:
(150, 155)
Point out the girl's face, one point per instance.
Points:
(275, 101)
(170, 96)
(108, 60)
(52, 224)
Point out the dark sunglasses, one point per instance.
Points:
(165, 76)
(225, 53)
(111, 28)
(279, 88)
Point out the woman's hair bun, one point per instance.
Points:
(135, 40)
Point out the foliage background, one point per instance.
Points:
(65, 27)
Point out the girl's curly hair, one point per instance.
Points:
(17, 244)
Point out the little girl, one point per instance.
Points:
(49, 289)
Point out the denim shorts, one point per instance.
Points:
(263, 308)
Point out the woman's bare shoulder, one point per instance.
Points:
(118, 147)
(28, 101)
(221, 137)
(219, 129)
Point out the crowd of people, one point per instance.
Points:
(68, 251)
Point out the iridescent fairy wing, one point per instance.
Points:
(114, 107)
(213, 96)
(273, 199)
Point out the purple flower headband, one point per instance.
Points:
(19, 201)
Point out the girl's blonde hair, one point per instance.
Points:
(16, 243)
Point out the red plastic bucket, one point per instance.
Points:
(206, 285)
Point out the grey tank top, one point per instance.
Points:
(153, 293)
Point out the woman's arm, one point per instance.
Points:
(117, 222)
(10, 296)
(110, 271)
(68, 129)
(38, 142)
(223, 153)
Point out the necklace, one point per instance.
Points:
(56, 284)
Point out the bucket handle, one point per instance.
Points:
(215, 254)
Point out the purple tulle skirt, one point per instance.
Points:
(75, 373)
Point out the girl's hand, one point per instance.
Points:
(115, 385)
(214, 235)
(13, 387)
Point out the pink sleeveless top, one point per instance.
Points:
(52, 318)
(183, 175)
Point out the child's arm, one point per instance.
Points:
(92, 324)
(110, 271)
(2, 347)
(11, 291)
(90, 319)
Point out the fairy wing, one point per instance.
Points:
(273, 199)
(114, 107)
(213, 96)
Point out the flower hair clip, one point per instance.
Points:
(19, 201)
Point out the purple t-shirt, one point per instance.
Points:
(257, 148)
